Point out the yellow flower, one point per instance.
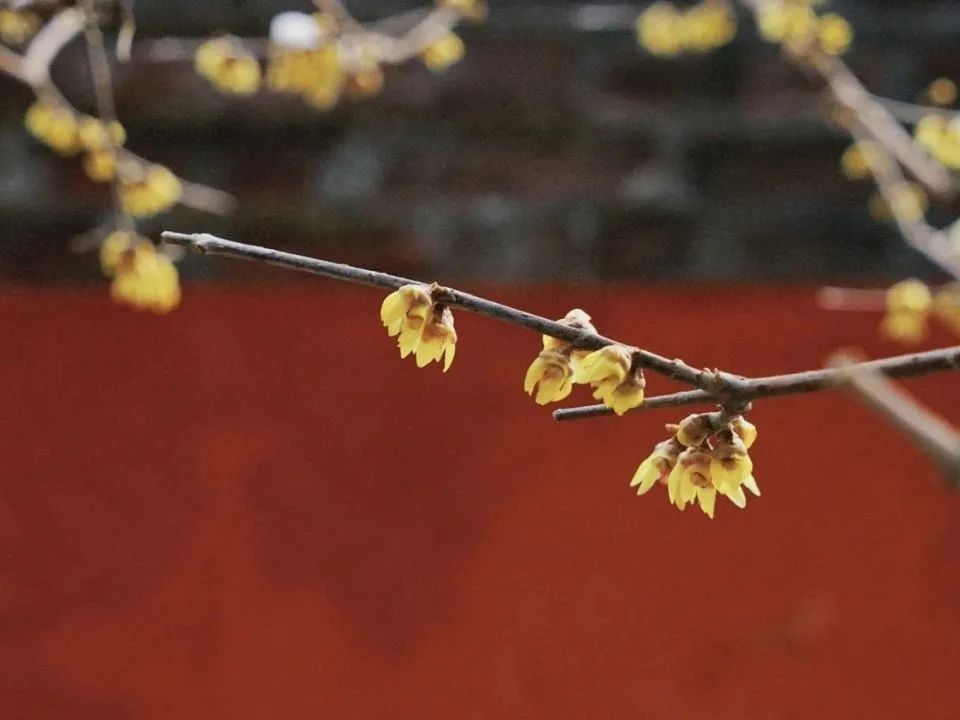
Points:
(422, 328)
(909, 296)
(745, 430)
(317, 75)
(53, 125)
(694, 430)
(786, 23)
(659, 30)
(707, 26)
(93, 134)
(608, 370)
(909, 304)
(942, 91)
(154, 190)
(946, 304)
(689, 481)
(228, 66)
(834, 34)
(142, 277)
(17, 27)
(443, 53)
(857, 160)
(550, 375)
(100, 165)
(471, 9)
(437, 340)
(657, 466)
(730, 464)
(904, 327)
(405, 310)
(112, 251)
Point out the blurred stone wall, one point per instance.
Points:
(557, 149)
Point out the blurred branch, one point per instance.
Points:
(929, 432)
(33, 70)
(915, 364)
(856, 299)
(52, 38)
(211, 245)
(877, 122)
(912, 113)
(892, 185)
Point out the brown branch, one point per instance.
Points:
(676, 369)
(900, 366)
(47, 44)
(928, 431)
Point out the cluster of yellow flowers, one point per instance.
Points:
(422, 326)
(142, 277)
(610, 370)
(148, 190)
(16, 27)
(228, 66)
(144, 190)
(910, 304)
(665, 30)
(64, 131)
(699, 461)
(796, 26)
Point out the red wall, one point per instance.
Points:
(253, 509)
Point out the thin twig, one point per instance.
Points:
(212, 245)
(928, 431)
(899, 366)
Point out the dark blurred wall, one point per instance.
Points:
(557, 149)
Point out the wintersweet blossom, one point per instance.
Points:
(550, 375)
(610, 371)
(142, 277)
(701, 461)
(228, 66)
(422, 327)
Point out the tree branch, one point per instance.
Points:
(675, 369)
(929, 432)
(899, 366)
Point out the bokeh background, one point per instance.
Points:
(252, 508)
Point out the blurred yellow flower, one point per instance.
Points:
(443, 53)
(93, 134)
(150, 191)
(100, 165)
(228, 66)
(857, 160)
(317, 75)
(142, 277)
(659, 30)
(16, 27)
(834, 34)
(942, 91)
(909, 304)
(54, 125)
